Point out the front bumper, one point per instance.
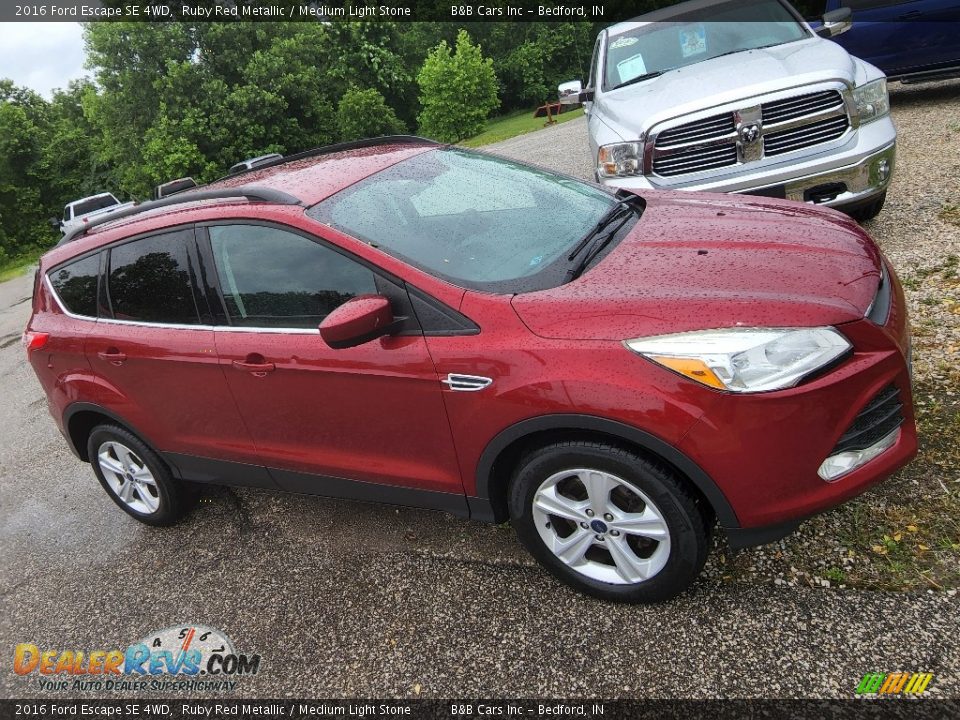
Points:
(763, 451)
(847, 176)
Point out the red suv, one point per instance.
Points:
(417, 324)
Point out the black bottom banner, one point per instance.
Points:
(596, 709)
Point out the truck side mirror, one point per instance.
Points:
(570, 92)
(836, 22)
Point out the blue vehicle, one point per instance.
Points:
(910, 40)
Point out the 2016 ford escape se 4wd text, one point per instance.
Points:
(412, 323)
(738, 96)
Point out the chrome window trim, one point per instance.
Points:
(174, 326)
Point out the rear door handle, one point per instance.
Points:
(257, 367)
(112, 355)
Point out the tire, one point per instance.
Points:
(626, 486)
(154, 497)
(868, 211)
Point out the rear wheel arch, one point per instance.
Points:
(80, 419)
(503, 453)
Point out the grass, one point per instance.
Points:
(14, 267)
(517, 123)
(950, 213)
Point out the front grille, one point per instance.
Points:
(697, 159)
(795, 107)
(700, 131)
(784, 141)
(787, 125)
(882, 415)
(707, 149)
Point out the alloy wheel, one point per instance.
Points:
(129, 477)
(601, 526)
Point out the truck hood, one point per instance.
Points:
(705, 261)
(632, 110)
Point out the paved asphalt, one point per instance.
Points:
(348, 599)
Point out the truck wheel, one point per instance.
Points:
(868, 211)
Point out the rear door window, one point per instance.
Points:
(151, 280)
(272, 278)
(76, 285)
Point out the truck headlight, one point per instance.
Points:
(872, 100)
(620, 160)
(745, 360)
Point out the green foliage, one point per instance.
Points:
(193, 98)
(364, 113)
(457, 90)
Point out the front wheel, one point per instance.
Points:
(868, 211)
(608, 521)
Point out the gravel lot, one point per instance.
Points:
(346, 599)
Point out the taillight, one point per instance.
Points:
(35, 340)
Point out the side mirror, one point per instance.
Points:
(357, 321)
(569, 92)
(836, 22)
(54, 223)
(573, 93)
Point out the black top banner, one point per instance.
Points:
(599, 11)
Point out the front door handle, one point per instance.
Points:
(255, 364)
(112, 355)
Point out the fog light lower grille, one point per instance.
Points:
(875, 430)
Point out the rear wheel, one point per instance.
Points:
(608, 521)
(135, 477)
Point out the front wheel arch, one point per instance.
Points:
(502, 454)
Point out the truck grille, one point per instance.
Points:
(882, 415)
(694, 146)
(792, 108)
(790, 124)
(708, 129)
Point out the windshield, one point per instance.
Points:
(476, 220)
(710, 31)
(93, 204)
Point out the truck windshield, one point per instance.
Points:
(692, 37)
(476, 220)
(85, 207)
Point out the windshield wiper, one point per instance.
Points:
(599, 236)
(639, 78)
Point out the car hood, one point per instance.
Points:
(695, 262)
(633, 109)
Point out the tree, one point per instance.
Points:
(364, 113)
(457, 90)
(24, 203)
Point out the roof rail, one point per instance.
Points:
(338, 147)
(268, 195)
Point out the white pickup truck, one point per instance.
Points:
(78, 211)
(738, 96)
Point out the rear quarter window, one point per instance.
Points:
(76, 285)
(150, 280)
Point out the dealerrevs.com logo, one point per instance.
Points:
(192, 658)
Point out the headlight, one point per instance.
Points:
(620, 160)
(872, 100)
(745, 359)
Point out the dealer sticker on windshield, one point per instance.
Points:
(693, 40)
